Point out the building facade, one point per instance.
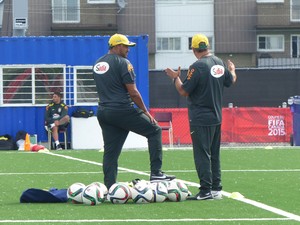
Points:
(253, 33)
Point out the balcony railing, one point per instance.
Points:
(279, 62)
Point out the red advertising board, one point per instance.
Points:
(240, 125)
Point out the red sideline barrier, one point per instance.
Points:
(240, 125)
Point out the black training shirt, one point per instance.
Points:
(111, 73)
(205, 82)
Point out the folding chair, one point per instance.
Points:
(63, 130)
(165, 118)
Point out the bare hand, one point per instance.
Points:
(230, 65)
(150, 117)
(231, 68)
(172, 73)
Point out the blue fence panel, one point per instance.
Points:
(30, 119)
(68, 50)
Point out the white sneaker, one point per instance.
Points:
(216, 195)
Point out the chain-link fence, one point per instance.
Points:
(244, 123)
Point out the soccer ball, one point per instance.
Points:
(177, 191)
(74, 192)
(142, 193)
(93, 195)
(184, 191)
(118, 193)
(174, 194)
(102, 186)
(160, 191)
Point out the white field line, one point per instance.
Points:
(146, 172)
(293, 170)
(142, 220)
(49, 173)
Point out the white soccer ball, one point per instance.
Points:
(142, 193)
(174, 194)
(118, 193)
(102, 186)
(177, 191)
(74, 192)
(93, 195)
(160, 191)
(184, 191)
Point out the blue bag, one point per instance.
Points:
(54, 195)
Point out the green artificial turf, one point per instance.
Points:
(271, 177)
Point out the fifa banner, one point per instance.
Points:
(256, 125)
(240, 125)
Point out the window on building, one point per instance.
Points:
(295, 10)
(30, 85)
(270, 1)
(85, 87)
(101, 1)
(66, 11)
(270, 43)
(295, 46)
(180, 1)
(168, 44)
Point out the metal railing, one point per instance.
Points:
(27, 85)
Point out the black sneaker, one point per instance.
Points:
(135, 181)
(201, 196)
(161, 176)
(58, 147)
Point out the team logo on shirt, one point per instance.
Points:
(190, 74)
(217, 71)
(130, 67)
(101, 67)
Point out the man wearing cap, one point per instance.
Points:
(115, 81)
(203, 87)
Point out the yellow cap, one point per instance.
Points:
(200, 41)
(119, 39)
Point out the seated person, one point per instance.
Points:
(56, 117)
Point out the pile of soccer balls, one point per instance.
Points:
(140, 191)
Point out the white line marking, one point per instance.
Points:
(96, 163)
(193, 171)
(141, 220)
(227, 194)
(126, 171)
(49, 173)
(269, 208)
(294, 170)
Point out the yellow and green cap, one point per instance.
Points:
(200, 41)
(119, 39)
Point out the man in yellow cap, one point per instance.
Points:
(115, 81)
(203, 86)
